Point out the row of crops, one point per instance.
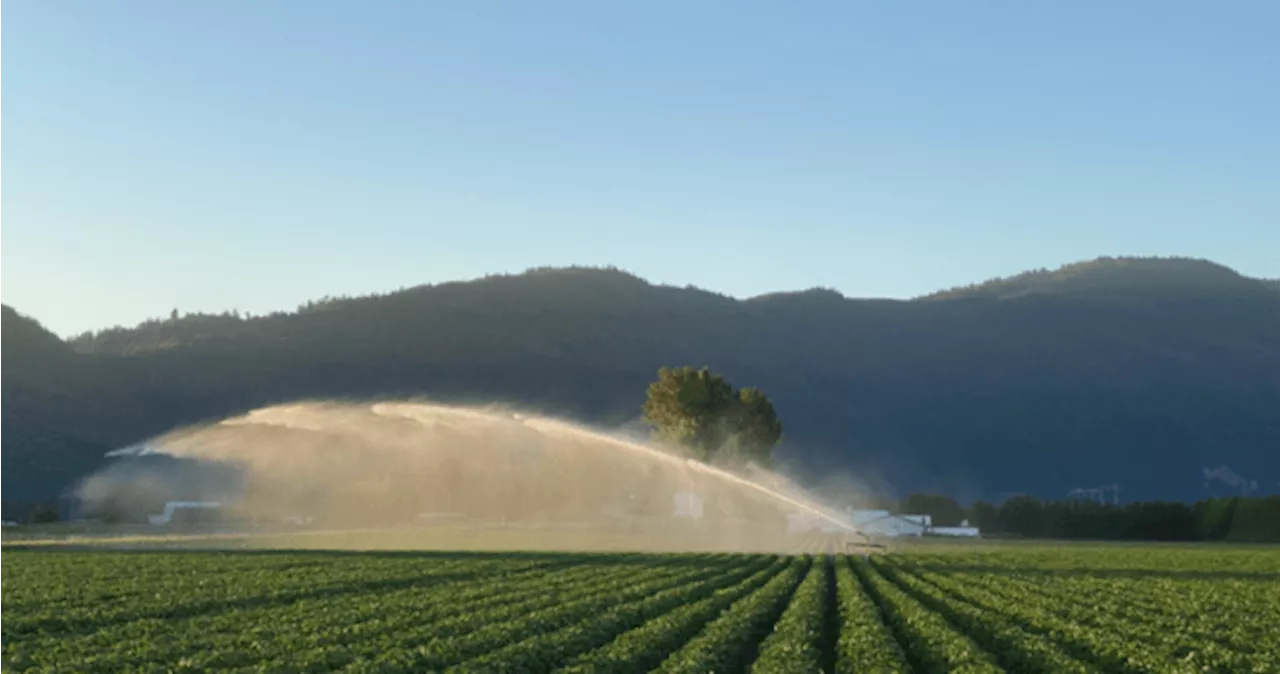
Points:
(989, 610)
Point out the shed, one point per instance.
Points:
(884, 523)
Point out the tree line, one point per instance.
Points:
(1236, 519)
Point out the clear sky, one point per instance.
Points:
(254, 154)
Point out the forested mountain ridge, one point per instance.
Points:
(1119, 278)
(42, 359)
(1142, 372)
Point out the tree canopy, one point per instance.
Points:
(1240, 519)
(704, 415)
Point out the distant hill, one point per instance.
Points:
(44, 359)
(1123, 278)
(1142, 372)
(53, 426)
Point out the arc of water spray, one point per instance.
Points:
(285, 416)
(547, 425)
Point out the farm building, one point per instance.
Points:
(885, 523)
(958, 532)
(870, 522)
(173, 507)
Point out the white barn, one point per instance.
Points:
(962, 531)
(173, 506)
(958, 532)
(885, 523)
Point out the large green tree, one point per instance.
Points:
(705, 416)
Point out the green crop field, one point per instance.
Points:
(1017, 608)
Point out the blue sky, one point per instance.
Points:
(252, 155)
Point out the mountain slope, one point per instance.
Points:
(52, 427)
(1124, 277)
(42, 359)
(1113, 371)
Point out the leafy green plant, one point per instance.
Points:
(864, 644)
(796, 642)
(725, 643)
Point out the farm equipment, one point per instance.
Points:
(865, 547)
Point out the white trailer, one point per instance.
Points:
(173, 506)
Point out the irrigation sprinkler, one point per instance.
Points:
(864, 547)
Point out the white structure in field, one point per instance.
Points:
(174, 506)
(688, 506)
(924, 520)
(870, 522)
(885, 523)
(961, 532)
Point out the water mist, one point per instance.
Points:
(417, 475)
